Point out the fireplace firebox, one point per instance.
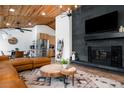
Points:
(105, 55)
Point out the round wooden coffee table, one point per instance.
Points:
(52, 70)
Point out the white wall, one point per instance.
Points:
(64, 32)
(24, 39)
(44, 29)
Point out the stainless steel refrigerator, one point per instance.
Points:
(42, 48)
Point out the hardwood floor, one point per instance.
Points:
(101, 72)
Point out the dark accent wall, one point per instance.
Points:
(78, 28)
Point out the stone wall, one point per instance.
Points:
(78, 28)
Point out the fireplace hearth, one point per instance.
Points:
(105, 55)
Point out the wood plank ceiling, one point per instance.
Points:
(25, 14)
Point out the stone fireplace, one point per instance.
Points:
(105, 55)
(98, 48)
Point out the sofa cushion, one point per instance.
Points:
(21, 61)
(19, 54)
(4, 58)
(7, 71)
(39, 65)
(9, 77)
(24, 67)
(41, 60)
(12, 83)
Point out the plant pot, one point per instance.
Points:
(65, 65)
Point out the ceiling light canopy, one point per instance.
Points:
(29, 23)
(60, 6)
(76, 6)
(12, 10)
(68, 9)
(7, 24)
(43, 13)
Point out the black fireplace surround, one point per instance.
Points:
(105, 55)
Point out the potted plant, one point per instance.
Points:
(64, 63)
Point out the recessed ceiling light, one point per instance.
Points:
(43, 13)
(60, 6)
(7, 24)
(12, 10)
(29, 24)
(68, 9)
(75, 6)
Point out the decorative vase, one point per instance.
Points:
(121, 29)
(65, 65)
(73, 56)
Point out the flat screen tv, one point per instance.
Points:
(104, 23)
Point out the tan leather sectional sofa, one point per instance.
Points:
(9, 70)
(9, 77)
(29, 63)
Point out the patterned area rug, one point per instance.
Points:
(82, 80)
